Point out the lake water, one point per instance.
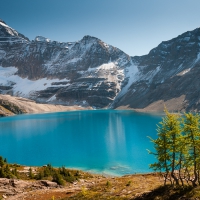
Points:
(101, 141)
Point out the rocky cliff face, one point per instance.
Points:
(90, 72)
(169, 75)
(86, 72)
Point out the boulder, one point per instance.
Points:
(48, 183)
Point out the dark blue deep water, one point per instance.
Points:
(101, 141)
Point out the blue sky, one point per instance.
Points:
(134, 26)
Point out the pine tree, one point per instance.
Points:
(30, 174)
(167, 146)
(1, 161)
(192, 138)
(162, 154)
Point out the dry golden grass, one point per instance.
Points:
(126, 187)
(130, 187)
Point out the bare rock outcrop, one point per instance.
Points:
(12, 187)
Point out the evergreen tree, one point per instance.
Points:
(162, 154)
(58, 178)
(1, 161)
(192, 140)
(167, 146)
(30, 173)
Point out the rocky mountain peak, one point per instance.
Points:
(90, 72)
(85, 72)
(88, 37)
(8, 34)
(5, 30)
(2, 21)
(167, 75)
(42, 39)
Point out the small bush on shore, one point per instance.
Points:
(60, 175)
(6, 171)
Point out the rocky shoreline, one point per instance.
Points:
(92, 186)
(118, 187)
(13, 187)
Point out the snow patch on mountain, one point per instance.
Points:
(131, 73)
(184, 72)
(8, 29)
(23, 86)
(3, 24)
(73, 60)
(198, 58)
(107, 66)
(53, 98)
(42, 39)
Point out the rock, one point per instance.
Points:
(6, 191)
(19, 183)
(49, 183)
(4, 181)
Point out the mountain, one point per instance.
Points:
(86, 72)
(168, 75)
(90, 72)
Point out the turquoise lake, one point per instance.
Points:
(100, 141)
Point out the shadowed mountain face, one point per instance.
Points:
(90, 72)
(169, 74)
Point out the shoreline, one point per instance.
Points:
(10, 105)
(88, 185)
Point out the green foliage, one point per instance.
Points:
(30, 173)
(68, 176)
(58, 178)
(15, 173)
(108, 184)
(59, 175)
(177, 148)
(40, 175)
(1, 161)
(129, 183)
(191, 129)
(6, 171)
(83, 191)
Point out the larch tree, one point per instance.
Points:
(191, 129)
(167, 146)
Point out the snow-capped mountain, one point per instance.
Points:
(91, 72)
(168, 75)
(86, 72)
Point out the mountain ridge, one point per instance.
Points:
(90, 72)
